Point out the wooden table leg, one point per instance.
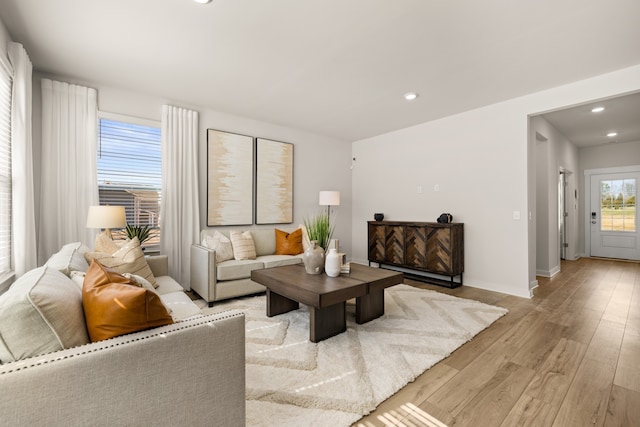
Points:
(327, 322)
(277, 304)
(369, 306)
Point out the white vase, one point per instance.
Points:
(332, 263)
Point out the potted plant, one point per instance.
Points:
(142, 232)
(319, 229)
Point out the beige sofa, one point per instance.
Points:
(150, 377)
(215, 281)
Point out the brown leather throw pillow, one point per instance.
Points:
(289, 243)
(114, 305)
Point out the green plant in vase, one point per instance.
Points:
(319, 229)
(142, 232)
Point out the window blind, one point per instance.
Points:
(5, 171)
(130, 174)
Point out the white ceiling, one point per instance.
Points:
(332, 67)
(586, 129)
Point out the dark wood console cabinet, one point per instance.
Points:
(426, 247)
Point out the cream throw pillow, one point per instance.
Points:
(104, 243)
(243, 245)
(221, 244)
(128, 259)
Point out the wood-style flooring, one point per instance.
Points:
(570, 356)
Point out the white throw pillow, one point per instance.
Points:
(306, 243)
(243, 245)
(219, 243)
(77, 277)
(69, 258)
(140, 281)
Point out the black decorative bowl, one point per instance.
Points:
(378, 216)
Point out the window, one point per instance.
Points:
(5, 171)
(130, 174)
(618, 201)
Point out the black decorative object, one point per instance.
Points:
(445, 218)
(378, 216)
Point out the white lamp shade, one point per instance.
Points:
(106, 217)
(329, 198)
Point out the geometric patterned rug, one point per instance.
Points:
(292, 381)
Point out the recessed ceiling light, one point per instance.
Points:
(597, 110)
(410, 96)
(612, 134)
(202, 1)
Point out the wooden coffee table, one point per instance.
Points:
(326, 297)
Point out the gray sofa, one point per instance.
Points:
(191, 372)
(215, 281)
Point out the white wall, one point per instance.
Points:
(600, 157)
(554, 154)
(320, 163)
(482, 161)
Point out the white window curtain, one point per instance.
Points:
(23, 225)
(69, 156)
(180, 209)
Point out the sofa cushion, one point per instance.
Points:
(166, 285)
(41, 312)
(279, 260)
(219, 243)
(237, 269)
(243, 245)
(69, 258)
(180, 306)
(114, 306)
(128, 259)
(288, 243)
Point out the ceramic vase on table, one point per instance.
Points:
(313, 258)
(332, 263)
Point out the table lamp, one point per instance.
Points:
(106, 217)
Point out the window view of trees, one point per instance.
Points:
(618, 205)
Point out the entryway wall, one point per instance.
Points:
(554, 153)
(599, 157)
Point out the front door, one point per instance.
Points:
(614, 225)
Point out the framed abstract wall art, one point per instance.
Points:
(229, 178)
(274, 182)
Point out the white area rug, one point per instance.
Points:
(293, 382)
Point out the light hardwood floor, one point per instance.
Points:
(570, 356)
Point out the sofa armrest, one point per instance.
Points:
(203, 272)
(159, 265)
(166, 376)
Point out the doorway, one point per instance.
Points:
(611, 220)
(563, 214)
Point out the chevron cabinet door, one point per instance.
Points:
(416, 246)
(376, 243)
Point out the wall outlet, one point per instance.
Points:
(419, 189)
(436, 187)
(516, 215)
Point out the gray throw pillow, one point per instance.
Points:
(41, 312)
